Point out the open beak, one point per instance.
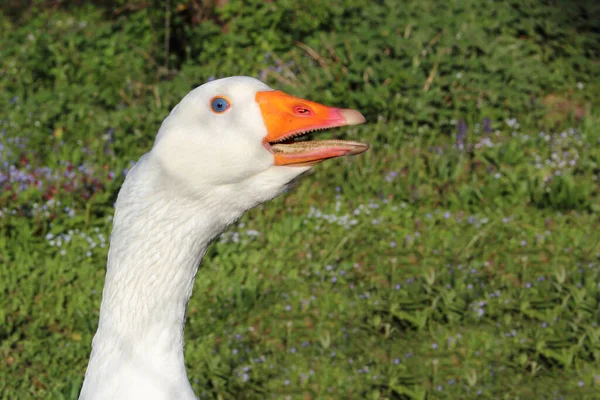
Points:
(288, 118)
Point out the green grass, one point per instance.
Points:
(458, 258)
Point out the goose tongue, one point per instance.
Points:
(287, 117)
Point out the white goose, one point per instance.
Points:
(225, 148)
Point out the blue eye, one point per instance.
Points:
(219, 104)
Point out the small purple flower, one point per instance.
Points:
(434, 346)
(390, 176)
(461, 132)
(487, 125)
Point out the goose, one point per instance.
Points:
(227, 147)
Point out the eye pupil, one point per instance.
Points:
(219, 104)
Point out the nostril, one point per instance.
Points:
(303, 111)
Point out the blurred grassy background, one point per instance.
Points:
(458, 258)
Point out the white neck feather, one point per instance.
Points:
(157, 243)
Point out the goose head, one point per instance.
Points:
(238, 132)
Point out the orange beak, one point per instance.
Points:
(287, 117)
